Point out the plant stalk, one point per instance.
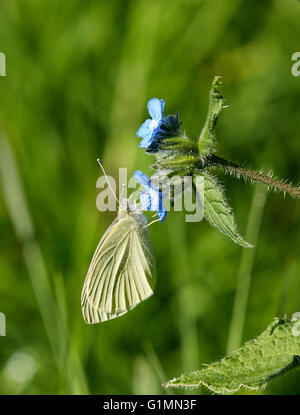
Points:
(245, 271)
(238, 171)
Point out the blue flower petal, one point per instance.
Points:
(151, 127)
(144, 130)
(157, 205)
(142, 178)
(162, 215)
(151, 198)
(155, 199)
(146, 142)
(156, 108)
(145, 200)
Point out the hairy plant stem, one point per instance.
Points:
(216, 162)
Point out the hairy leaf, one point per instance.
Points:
(218, 212)
(252, 366)
(207, 137)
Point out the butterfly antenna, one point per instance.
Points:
(110, 186)
(153, 216)
(151, 223)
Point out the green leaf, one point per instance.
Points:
(207, 137)
(252, 366)
(218, 212)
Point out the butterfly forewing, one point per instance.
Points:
(122, 271)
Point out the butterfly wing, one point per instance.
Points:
(121, 273)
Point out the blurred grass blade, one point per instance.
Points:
(128, 105)
(21, 219)
(245, 270)
(144, 379)
(18, 210)
(185, 303)
(69, 357)
(275, 352)
(155, 363)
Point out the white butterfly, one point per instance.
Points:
(122, 272)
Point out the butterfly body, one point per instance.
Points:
(122, 270)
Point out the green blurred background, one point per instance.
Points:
(79, 75)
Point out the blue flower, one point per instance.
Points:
(149, 128)
(151, 198)
(152, 131)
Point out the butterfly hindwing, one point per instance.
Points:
(122, 271)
